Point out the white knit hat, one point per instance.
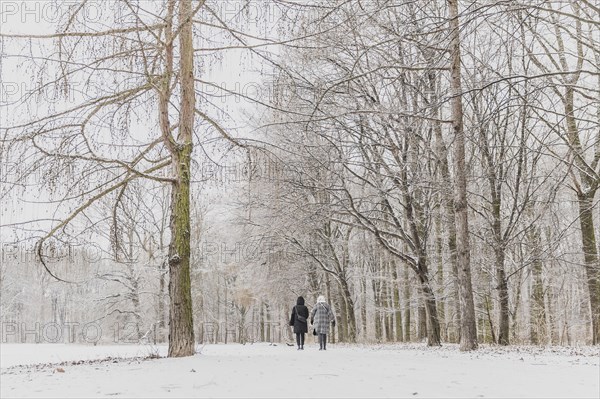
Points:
(321, 298)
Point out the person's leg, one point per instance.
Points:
(302, 341)
(320, 341)
(324, 342)
(298, 340)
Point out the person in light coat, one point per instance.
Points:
(320, 317)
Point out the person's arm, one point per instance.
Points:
(292, 318)
(312, 315)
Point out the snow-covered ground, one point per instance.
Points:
(263, 370)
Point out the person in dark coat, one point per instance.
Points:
(299, 320)
(321, 316)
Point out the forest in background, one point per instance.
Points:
(339, 177)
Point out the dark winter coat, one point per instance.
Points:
(321, 317)
(299, 309)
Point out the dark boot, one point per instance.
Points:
(324, 342)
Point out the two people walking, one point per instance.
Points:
(320, 317)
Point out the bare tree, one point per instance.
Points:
(149, 57)
(468, 332)
(569, 61)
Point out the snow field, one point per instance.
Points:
(263, 370)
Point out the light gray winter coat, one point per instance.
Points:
(321, 316)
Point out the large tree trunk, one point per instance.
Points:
(268, 332)
(440, 278)
(349, 308)
(388, 317)
(551, 312)
(339, 325)
(468, 334)
(538, 333)
(376, 286)
(499, 255)
(433, 324)
(363, 307)
(448, 216)
(503, 323)
(342, 314)
(181, 325)
(515, 310)
(421, 319)
(592, 267)
(396, 302)
(181, 331)
(406, 305)
(161, 304)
